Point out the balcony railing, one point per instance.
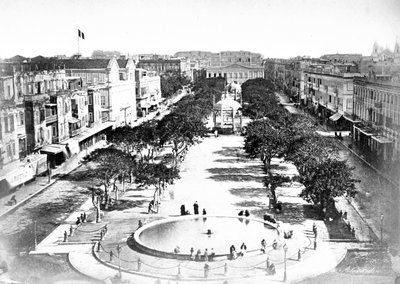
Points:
(54, 139)
(75, 132)
(378, 104)
(51, 118)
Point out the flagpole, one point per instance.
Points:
(78, 42)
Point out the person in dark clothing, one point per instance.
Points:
(196, 208)
(183, 210)
(246, 213)
(241, 213)
(204, 212)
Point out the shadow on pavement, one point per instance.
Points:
(230, 152)
(250, 192)
(124, 204)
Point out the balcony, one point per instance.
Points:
(378, 104)
(51, 118)
(74, 132)
(54, 140)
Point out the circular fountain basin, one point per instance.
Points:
(160, 238)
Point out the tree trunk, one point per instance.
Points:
(116, 191)
(106, 197)
(96, 204)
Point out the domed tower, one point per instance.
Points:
(375, 51)
(396, 52)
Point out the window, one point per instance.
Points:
(9, 153)
(11, 122)
(54, 131)
(21, 118)
(103, 101)
(8, 91)
(6, 129)
(13, 149)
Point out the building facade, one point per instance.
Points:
(330, 90)
(160, 66)
(377, 105)
(235, 73)
(148, 91)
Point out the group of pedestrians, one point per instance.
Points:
(234, 255)
(198, 256)
(184, 211)
(81, 219)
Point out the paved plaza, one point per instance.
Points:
(217, 174)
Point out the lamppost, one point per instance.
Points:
(285, 249)
(119, 260)
(382, 217)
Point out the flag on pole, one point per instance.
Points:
(81, 34)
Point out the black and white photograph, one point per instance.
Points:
(199, 141)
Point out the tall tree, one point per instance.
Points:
(107, 165)
(325, 180)
(180, 130)
(157, 175)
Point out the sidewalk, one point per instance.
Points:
(40, 183)
(364, 232)
(36, 186)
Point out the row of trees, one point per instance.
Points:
(171, 82)
(132, 154)
(274, 132)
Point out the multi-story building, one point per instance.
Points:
(235, 73)
(343, 57)
(244, 58)
(9, 117)
(42, 124)
(161, 66)
(117, 82)
(148, 90)
(16, 167)
(329, 88)
(377, 105)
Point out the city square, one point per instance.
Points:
(158, 161)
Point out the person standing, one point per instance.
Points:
(263, 246)
(196, 208)
(206, 255)
(183, 210)
(243, 249)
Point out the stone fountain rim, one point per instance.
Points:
(150, 251)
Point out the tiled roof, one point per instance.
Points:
(54, 63)
(122, 63)
(16, 58)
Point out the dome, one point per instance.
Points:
(227, 103)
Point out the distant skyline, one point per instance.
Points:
(274, 28)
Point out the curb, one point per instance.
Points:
(13, 208)
(371, 166)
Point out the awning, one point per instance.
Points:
(89, 132)
(382, 139)
(351, 119)
(365, 130)
(335, 117)
(105, 109)
(73, 120)
(4, 185)
(50, 105)
(53, 149)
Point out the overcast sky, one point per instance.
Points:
(274, 28)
